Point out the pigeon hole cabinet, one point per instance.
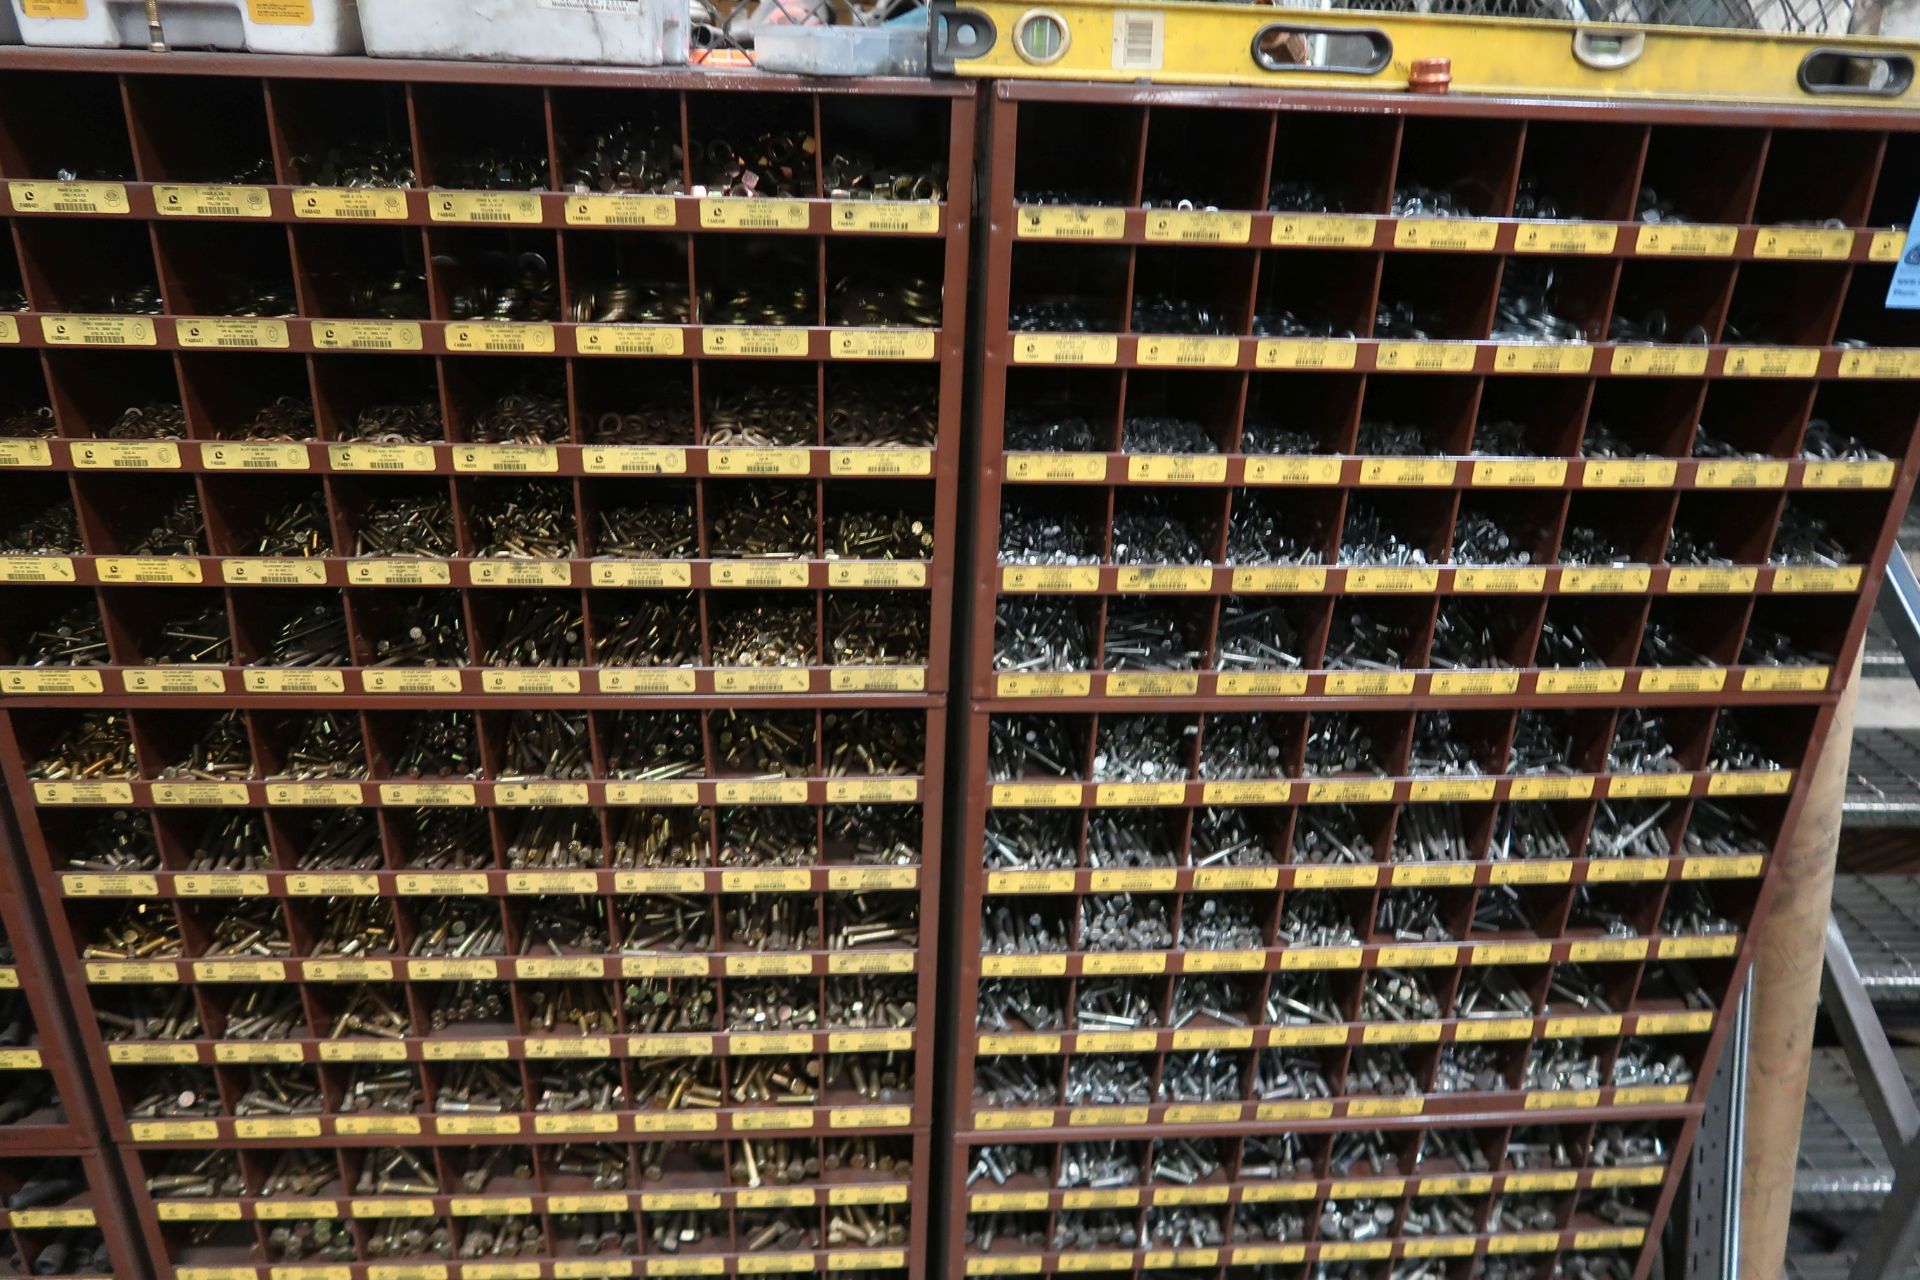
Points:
(476, 651)
(1417, 545)
(64, 1204)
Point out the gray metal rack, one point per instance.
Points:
(1858, 1149)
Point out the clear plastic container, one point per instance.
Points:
(633, 33)
(309, 27)
(842, 51)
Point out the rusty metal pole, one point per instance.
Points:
(1786, 997)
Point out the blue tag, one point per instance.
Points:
(1904, 293)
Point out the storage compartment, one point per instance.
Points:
(637, 33)
(298, 27)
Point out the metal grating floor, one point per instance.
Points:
(1833, 1266)
(1882, 660)
(1880, 916)
(1883, 782)
(1842, 1166)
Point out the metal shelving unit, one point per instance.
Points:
(1284, 572)
(520, 576)
(70, 1214)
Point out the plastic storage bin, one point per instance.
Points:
(843, 51)
(639, 33)
(257, 26)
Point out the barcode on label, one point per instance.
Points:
(1139, 40)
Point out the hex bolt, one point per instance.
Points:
(522, 519)
(1254, 636)
(1629, 829)
(1339, 742)
(1246, 746)
(95, 745)
(1274, 529)
(1302, 999)
(1184, 1227)
(1578, 986)
(1289, 1075)
(1441, 1148)
(1525, 831)
(1098, 1165)
(1114, 1004)
(1492, 992)
(1207, 1076)
(1027, 840)
(1735, 748)
(1145, 432)
(1125, 922)
(1041, 633)
(1411, 915)
(1142, 748)
(406, 524)
(1690, 912)
(1525, 1212)
(1035, 747)
(1468, 1068)
(1368, 538)
(1314, 920)
(1358, 1219)
(1000, 1163)
(1430, 833)
(1472, 635)
(1226, 837)
(1217, 999)
(1562, 1065)
(1381, 1070)
(1093, 1229)
(1438, 1216)
(1330, 834)
(1542, 743)
(1438, 747)
(1115, 840)
(665, 922)
(1646, 1062)
(1146, 635)
(1398, 995)
(1221, 922)
(1036, 532)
